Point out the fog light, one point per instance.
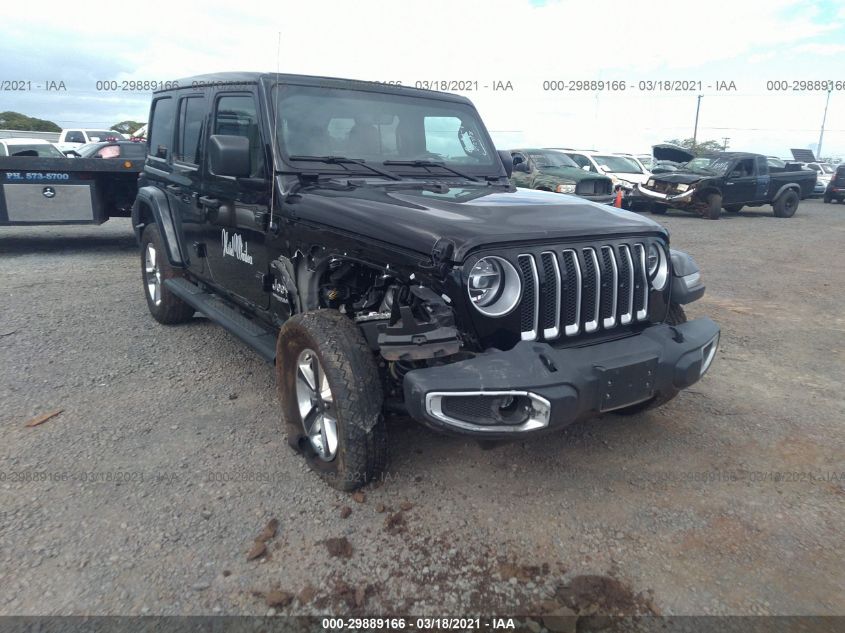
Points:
(708, 353)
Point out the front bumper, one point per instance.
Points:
(680, 198)
(602, 198)
(538, 387)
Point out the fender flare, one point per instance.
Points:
(686, 279)
(156, 201)
(784, 188)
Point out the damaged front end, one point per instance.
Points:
(676, 194)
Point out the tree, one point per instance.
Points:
(18, 121)
(126, 127)
(698, 149)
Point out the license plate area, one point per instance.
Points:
(625, 385)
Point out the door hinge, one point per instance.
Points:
(267, 282)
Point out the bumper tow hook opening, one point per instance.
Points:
(548, 362)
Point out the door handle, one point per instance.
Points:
(205, 201)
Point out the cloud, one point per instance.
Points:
(819, 48)
(522, 41)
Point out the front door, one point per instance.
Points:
(521, 175)
(740, 183)
(238, 210)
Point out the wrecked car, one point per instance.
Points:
(729, 180)
(365, 239)
(550, 170)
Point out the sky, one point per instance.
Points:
(527, 47)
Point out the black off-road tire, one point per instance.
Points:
(170, 309)
(658, 209)
(827, 199)
(675, 316)
(357, 394)
(734, 208)
(786, 205)
(714, 206)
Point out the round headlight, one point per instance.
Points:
(653, 259)
(658, 266)
(494, 286)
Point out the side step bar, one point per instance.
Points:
(253, 333)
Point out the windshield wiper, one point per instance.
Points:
(342, 160)
(430, 163)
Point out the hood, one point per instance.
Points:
(469, 217)
(575, 174)
(679, 177)
(668, 151)
(640, 179)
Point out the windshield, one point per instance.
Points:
(35, 149)
(618, 164)
(551, 159)
(826, 169)
(378, 127)
(718, 166)
(699, 164)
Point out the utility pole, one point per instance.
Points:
(824, 119)
(695, 129)
(725, 140)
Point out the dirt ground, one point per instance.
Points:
(146, 493)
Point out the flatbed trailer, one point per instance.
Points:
(35, 190)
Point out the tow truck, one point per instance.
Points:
(40, 190)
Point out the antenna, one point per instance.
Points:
(274, 141)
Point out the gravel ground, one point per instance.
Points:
(145, 494)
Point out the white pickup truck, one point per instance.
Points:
(72, 138)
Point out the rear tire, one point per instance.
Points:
(786, 205)
(733, 208)
(827, 199)
(714, 206)
(348, 397)
(675, 316)
(165, 307)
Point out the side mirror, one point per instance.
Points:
(507, 161)
(229, 155)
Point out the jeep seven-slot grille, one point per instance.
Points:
(573, 291)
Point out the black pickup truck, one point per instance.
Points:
(366, 239)
(729, 180)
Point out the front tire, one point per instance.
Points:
(714, 206)
(786, 205)
(165, 307)
(658, 209)
(331, 398)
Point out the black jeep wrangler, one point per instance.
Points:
(365, 238)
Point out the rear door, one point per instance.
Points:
(185, 181)
(238, 212)
(764, 179)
